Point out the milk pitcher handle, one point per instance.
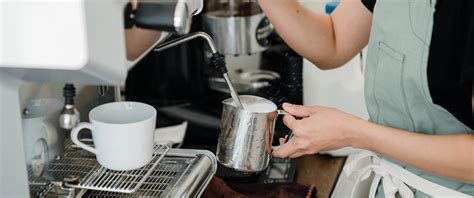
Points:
(282, 113)
(279, 113)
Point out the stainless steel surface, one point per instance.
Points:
(118, 93)
(72, 164)
(245, 81)
(155, 185)
(184, 12)
(102, 179)
(52, 189)
(211, 44)
(199, 169)
(246, 137)
(178, 175)
(42, 136)
(196, 177)
(181, 19)
(233, 93)
(181, 173)
(92, 175)
(102, 89)
(69, 117)
(30, 112)
(57, 189)
(232, 8)
(187, 38)
(238, 35)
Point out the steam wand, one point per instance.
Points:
(218, 60)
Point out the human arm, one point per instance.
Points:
(138, 40)
(326, 40)
(324, 129)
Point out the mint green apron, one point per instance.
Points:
(396, 85)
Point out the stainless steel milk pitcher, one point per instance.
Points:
(246, 136)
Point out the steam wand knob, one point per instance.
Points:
(69, 117)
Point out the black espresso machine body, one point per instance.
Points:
(176, 82)
(181, 84)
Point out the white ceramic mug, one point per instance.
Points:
(123, 134)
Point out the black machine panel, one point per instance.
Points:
(176, 83)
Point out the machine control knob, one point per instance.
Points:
(69, 117)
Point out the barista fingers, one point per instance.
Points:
(134, 4)
(442, 144)
(138, 40)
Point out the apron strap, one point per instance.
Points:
(394, 179)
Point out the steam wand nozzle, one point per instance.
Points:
(218, 60)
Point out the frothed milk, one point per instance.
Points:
(259, 106)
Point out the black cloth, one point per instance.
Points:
(451, 59)
(218, 188)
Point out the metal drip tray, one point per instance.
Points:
(154, 186)
(103, 179)
(184, 176)
(179, 173)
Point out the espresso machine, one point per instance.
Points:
(58, 60)
(261, 64)
(238, 26)
(184, 87)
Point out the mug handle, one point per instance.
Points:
(76, 141)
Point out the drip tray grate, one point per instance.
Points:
(159, 182)
(86, 173)
(103, 179)
(172, 173)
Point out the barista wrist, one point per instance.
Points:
(358, 133)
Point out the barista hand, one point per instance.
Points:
(320, 129)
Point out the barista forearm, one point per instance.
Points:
(326, 40)
(450, 156)
(138, 40)
(309, 34)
